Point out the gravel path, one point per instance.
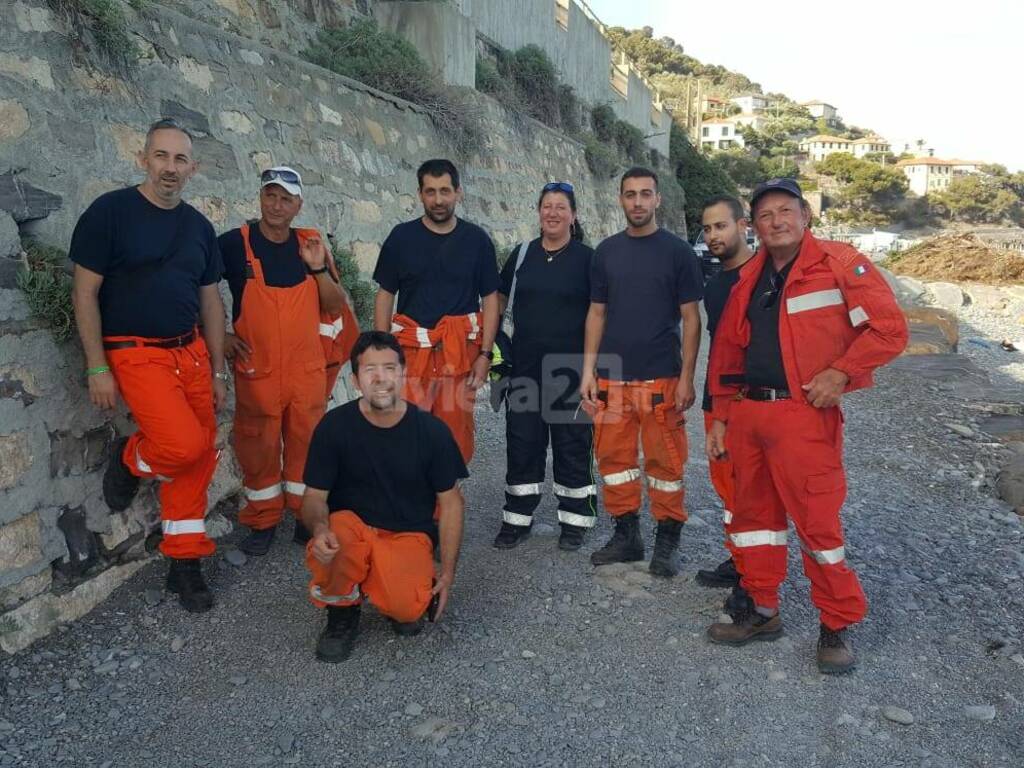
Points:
(542, 662)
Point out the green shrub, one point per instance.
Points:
(630, 141)
(104, 21)
(536, 80)
(602, 159)
(386, 61)
(47, 288)
(359, 288)
(569, 110)
(602, 120)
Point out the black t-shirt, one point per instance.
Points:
(551, 302)
(147, 289)
(764, 366)
(282, 265)
(390, 477)
(716, 293)
(436, 275)
(643, 280)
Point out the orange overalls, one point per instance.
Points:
(644, 409)
(723, 480)
(836, 311)
(169, 391)
(438, 361)
(395, 570)
(281, 390)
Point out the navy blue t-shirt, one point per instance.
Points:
(436, 275)
(643, 280)
(716, 293)
(124, 237)
(388, 476)
(282, 265)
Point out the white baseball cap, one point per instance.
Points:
(287, 178)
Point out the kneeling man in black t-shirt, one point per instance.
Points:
(377, 469)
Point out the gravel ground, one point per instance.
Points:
(543, 662)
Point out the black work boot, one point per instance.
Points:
(510, 535)
(185, 577)
(258, 542)
(666, 542)
(723, 575)
(407, 628)
(119, 485)
(301, 534)
(625, 545)
(738, 604)
(835, 656)
(571, 537)
(753, 626)
(339, 636)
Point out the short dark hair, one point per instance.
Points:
(735, 206)
(438, 168)
(375, 340)
(165, 124)
(638, 172)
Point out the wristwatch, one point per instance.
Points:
(488, 354)
(222, 375)
(317, 271)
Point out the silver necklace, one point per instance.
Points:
(552, 254)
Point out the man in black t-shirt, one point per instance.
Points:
(377, 468)
(146, 271)
(445, 276)
(286, 298)
(643, 281)
(725, 232)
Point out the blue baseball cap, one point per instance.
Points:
(784, 184)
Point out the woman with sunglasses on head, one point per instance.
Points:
(547, 284)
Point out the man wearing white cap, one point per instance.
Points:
(282, 281)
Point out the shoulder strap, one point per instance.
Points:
(520, 258)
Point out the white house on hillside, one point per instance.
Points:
(757, 122)
(820, 109)
(752, 102)
(870, 145)
(819, 147)
(964, 167)
(926, 174)
(720, 133)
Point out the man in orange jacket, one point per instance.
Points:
(445, 275)
(282, 283)
(146, 270)
(643, 282)
(808, 321)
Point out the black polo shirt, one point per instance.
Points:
(716, 293)
(153, 262)
(437, 275)
(643, 281)
(764, 366)
(282, 265)
(389, 477)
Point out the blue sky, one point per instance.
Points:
(949, 73)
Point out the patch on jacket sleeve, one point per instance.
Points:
(860, 269)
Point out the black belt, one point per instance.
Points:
(766, 394)
(177, 341)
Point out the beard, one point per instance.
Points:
(440, 215)
(729, 252)
(383, 402)
(636, 223)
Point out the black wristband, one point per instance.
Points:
(317, 271)
(488, 354)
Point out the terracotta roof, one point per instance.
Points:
(923, 161)
(824, 137)
(871, 140)
(978, 163)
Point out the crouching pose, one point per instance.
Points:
(376, 469)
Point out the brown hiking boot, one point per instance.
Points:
(835, 656)
(749, 627)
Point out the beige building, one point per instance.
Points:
(822, 110)
(870, 145)
(819, 147)
(926, 174)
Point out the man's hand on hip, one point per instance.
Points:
(826, 389)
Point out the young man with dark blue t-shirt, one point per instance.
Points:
(146, 271)
(637, 375)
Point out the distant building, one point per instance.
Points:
(819, 147)
(870, 145)
(751, 120)
(720, 133)
(714, 106)
(821, 110)
(965, 167)
(926, 174)
(751, 103)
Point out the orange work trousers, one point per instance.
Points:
(170, 395)
(724, 483)
(644, 409)
(430, 388)
(788, 461)
(395, 570)
(281, 392)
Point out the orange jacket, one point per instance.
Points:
(449, 337)
(835, 311)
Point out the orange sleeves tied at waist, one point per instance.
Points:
(394, 570)
(438, 361)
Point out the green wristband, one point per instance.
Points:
(97, 370)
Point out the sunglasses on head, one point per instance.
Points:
(558, 186)
(288, 177)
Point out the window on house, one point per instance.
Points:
(705, 131)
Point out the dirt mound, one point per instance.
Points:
(959, 258)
